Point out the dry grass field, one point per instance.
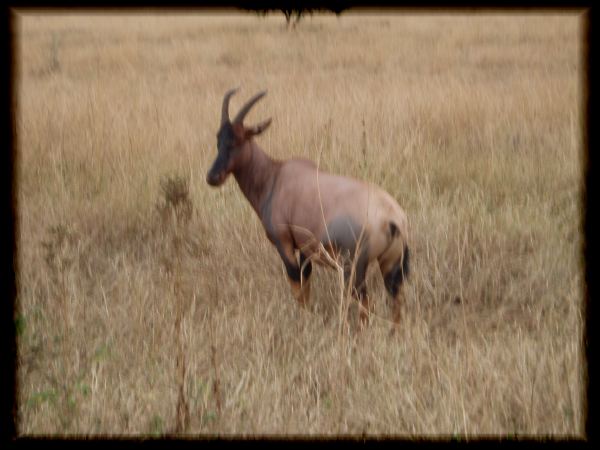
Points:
(150, 303)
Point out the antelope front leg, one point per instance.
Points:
(305, 272)
(300, 285)
(298, 274)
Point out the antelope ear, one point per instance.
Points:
(257, 129)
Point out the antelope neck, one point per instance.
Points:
(256, 177)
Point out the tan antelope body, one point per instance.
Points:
(306, 210)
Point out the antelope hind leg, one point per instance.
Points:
(394, 280)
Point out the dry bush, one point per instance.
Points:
(149, 303)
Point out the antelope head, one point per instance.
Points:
(232, 140)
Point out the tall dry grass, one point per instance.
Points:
(149, 303)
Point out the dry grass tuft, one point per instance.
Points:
(149, 303)
(176, 200)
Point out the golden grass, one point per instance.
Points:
(137, 318)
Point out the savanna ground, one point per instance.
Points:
(149, 303)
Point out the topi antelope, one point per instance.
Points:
(306, 210)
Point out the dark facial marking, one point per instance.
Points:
(218, 169)
(225, 137)
(226, 147)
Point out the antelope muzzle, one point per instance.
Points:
(217, 174)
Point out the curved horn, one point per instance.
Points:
(225, 110)
(240, 115)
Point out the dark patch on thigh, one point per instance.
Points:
(394, 231)
(360, 274)
(393, 280)
(398, 273)
(344, 234)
